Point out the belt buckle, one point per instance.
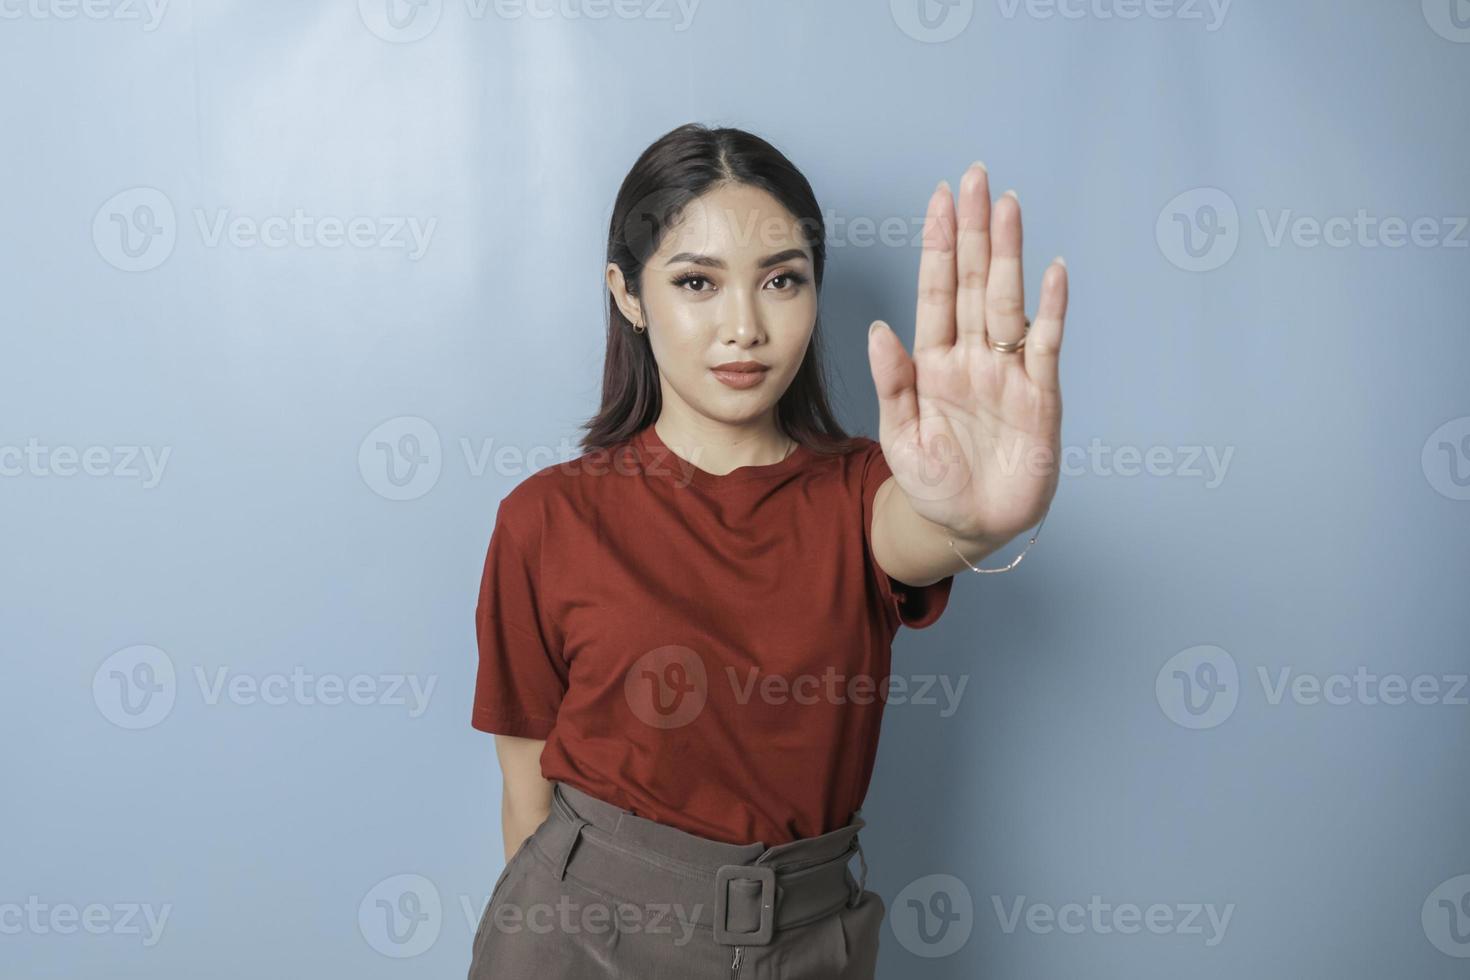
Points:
(766, 875)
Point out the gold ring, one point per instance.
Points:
(1011, 347)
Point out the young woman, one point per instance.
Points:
(684, 633)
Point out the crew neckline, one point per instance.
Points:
(663, 462)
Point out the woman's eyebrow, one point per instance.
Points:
(714, 263)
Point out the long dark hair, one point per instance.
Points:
(674, 170)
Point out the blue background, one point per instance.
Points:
(327, 495)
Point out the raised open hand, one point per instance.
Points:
(973, 434)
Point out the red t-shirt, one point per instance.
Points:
(708, 651)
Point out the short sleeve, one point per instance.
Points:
(521, 677)
(908, 605)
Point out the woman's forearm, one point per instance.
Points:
(518, 820)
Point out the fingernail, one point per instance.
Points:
(1061, 261)
(980, 164)
(943, 185)
(872, 327)
(1012, 193)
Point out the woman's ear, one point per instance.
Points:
(627, 303)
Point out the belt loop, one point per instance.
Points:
(862, 882)
(568, 824)
(574, 835)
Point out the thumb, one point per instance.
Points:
(894, 378)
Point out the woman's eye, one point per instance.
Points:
(688, 280)
(792, 280)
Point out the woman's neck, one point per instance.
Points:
(718, 447)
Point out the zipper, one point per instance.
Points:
(846, 855)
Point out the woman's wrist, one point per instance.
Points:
(971, 546)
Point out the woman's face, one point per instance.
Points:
(731, 282)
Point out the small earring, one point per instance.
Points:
(639, 328)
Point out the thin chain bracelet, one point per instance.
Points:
(1014, 561)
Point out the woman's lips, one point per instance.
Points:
(740, 379)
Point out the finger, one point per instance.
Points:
(934, 319)
(1044, 342)
(1005, 301)
(973, 254)
(894, 379)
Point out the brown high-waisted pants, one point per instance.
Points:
(598, 892)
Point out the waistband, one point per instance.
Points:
(743, 892)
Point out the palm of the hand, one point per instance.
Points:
(972, 434)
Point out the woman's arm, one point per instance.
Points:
(525, 796)
(912, 548)
(970, 424)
